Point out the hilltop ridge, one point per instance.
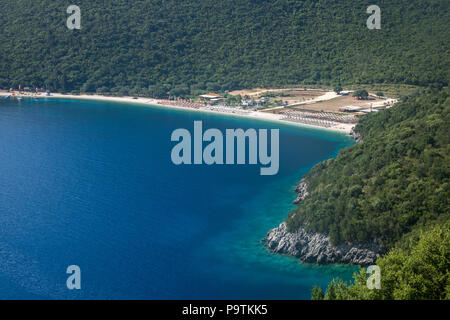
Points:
(156, 48)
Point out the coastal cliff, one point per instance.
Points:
(316, 247)
(356, 136)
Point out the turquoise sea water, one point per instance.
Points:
(92, 184)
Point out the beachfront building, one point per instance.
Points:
(211, 98)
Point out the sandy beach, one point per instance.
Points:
(339, 127)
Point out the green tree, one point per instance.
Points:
(157, 91)
(361, 93)
(421, 271)
(317, 293)
(337, 89)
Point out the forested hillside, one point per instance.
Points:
(395, 182)
(421, 271)
(157, 46)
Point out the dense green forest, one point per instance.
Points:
(420, 271)
(394, 182)
(394, 188)
(155, 47)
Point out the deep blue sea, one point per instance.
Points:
(92, 184)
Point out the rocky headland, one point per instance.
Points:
(313, 247)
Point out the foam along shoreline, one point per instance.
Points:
(339, 127)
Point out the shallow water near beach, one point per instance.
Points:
(92, 184)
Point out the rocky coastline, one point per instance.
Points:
(312, 247)
(302, 191)
(316, 248)
(356, 136)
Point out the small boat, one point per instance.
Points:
(8, 96)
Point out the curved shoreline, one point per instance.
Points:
(343, 129)
(277, 238)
